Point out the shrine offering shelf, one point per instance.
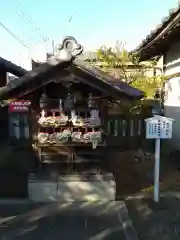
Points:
(68, 149)
(53, 129)
(82, 129)
(47, 157)
(69, 144)
(56, 112)
(85, 129)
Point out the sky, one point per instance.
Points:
(93, 23)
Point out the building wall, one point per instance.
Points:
(172, 89)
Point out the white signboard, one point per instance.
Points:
(158, 127)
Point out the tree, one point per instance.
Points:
(119, 63)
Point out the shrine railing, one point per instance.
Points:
(125, 131)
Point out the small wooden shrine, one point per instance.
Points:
(63, 104)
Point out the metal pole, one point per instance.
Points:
(156, 170)
(53, 47)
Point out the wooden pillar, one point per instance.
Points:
(4, 129)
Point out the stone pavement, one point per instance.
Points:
(156, 220)
(81, 221)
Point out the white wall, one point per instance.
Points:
(172, 59)
(172, 88)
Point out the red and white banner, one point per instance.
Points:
(19, 106)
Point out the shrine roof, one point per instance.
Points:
(61, 65)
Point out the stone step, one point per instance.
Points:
(71, 187)
(86, 176)
(69, 169)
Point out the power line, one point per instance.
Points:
(38, 28)
(33, 26)
(29, 20)
(14, 35)
(26, 19)
(25, 16)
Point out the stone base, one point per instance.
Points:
(73, 187)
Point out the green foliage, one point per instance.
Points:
(125, 66)
(148, 84)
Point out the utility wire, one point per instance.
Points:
(34, 30)
(29, 20)
(33, 26)
(14, 35)
(25, 16)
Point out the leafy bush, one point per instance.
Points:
(125, 66)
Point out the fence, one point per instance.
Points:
(125, 131)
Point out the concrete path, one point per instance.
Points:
(66, 221)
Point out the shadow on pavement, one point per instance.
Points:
(156, 220)
(98, 220)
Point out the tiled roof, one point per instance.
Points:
(65, 63)
(99, 78)
(173, 13)
(12, 68)
(83, 71)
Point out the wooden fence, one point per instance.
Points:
(125, 131)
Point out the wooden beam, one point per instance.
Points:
(12, 68)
